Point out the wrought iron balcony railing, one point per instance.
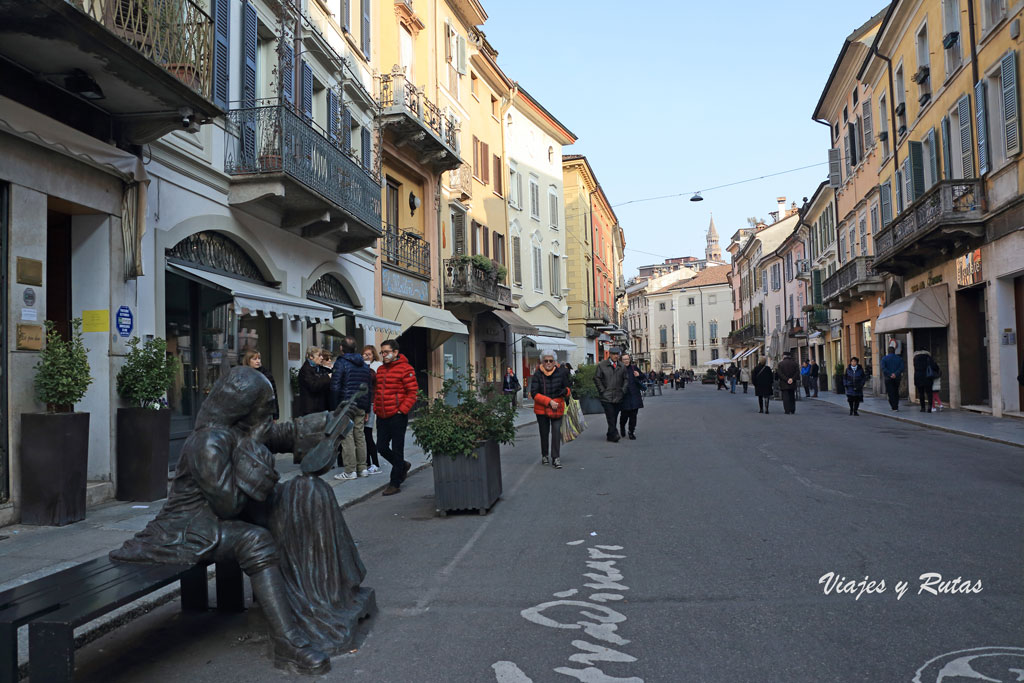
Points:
(465, 278)
(947, 202)
(175, 34)
(396, 91)
(859, 271)
(599, 312)
(274, 139)
(407, 250)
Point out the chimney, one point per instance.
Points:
(782, 207)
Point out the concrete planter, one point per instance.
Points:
(143, 441)
(591, 406)
(468, 483)
(54, 464)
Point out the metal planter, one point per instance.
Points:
(468, 483)
(591, 406)
(54, 462)
(143, 442)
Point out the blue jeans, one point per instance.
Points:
(391, 444)
(732, 384)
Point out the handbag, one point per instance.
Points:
(573, 423)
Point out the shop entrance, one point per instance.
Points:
(1018, 304)
(414, 344)
(5, 460)
(972, 332)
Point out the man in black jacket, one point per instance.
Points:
(350, 372)
(610, 380)
(788, 373)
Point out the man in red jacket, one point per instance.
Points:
(394, 397)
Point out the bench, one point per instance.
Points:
(53, 606)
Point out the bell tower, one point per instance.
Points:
(713, 252)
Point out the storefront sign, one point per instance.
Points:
(968, 269)
(96, 321)
(30, 337)
(402, 286)
(125, 321)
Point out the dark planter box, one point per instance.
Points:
(468, 483)
(143, 439)
(54, 464)
(591, 406)
(838, 380)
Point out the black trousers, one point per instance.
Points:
(371, 447)
(391, 444)
(789, 400)
(628, 417)
(547, 425)
(745, 386)
(924, 394)
(854, 402)
(763, 401)
(892, 388)
(611, 414)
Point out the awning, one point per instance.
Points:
(926, 308)
(515, 322)
(604, 338)
(750, 352)
(553, 343)
(739, 354)
(441, 323)
(261, 299)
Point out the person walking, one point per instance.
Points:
(720, 376)
(936, 398)
(892, 370)
(815, 371)
(764, 385)
(314, 383)
(549, 389)
(610, 380)
(733, 373)
(350, 373)
(925, 372)
(853, 380)
(254, 360)
(789, 376)
(511, 386)
(632, 398)
(393, 401)
(745, 377)
(372, 459)
(805, 378)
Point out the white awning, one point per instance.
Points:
(926, 308)
(515, 322)
(377, 324)
(749, 352)
(441, 323)
(739, 354)
(250, 298)
(553, 343)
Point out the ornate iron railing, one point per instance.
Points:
(858, 271)
(407, 250)
(274, 139)
(744, 335)
(462, 277)
(947, 201)
(396, 91)
(176, 34)
(599, 312)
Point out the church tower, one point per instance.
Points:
(713, 252)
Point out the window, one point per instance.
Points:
(553, 208)
(691, 331)
(494, 106)
(992, 12)
(556, 276)
(842, 246)
(458, 219)
(1000, 129)
(960, 147)
(534, 198)
(515, 186)
(778, 317)
(689, 301)
(498, 173)
(853, 242)
(714, 354)
(713, 329)
(874, 228)
(776, 277)
(481, 155)
(498, 248)
(364, 28)
(712, 299)
(664, 356)
(883, 124)
(899, 97)
(473, 80)
(663, 336)
(693, 357)
(764, 280)
(951, 35)
(455, 57)
(538, 269)
(661, 306)
(789, 266)
(517, 260)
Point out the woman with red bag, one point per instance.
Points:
(550, 390)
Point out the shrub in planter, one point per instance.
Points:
(840, 371)
(55, 444)
(584, 389)
(144, 429)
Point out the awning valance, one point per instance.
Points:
(926, 308)
(552, 343)
(750, 352)
(441, 323)
(377, 324)
(515, 322)
(258, 299)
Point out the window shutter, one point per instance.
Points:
(846, 153)
(519, 190)
(288, 73)
(869, 132)
(346, 12)
(346, 129)
(1010, 118)
(367, 144)
(898, 184)
(476, 157)
(486, 239)
(835, 168)
(332, 115)
(517, 260)
(473, 227)
(249, 47)
(551, 277)
(979, 113)
(221, 52)
(459, 233)
(916, 158)
(553, 207)
(462, 55)
(307, 91)
(497, 174)
(885, 200)
(947, 162)
(496, 246)
(933, 156)
(485, 170)
(963, 112)
(364, 32)
(816, 285)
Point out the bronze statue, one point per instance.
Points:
(226, 502)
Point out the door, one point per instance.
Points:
(1018, 303)
(4, 270)
(414, 343)
(973, 346)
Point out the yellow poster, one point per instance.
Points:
(96, 321)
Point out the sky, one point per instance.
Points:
(679, 97)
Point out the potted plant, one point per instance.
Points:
(585, 391)
(463, 442)
(840, 370)
(55, 444)
(144, 428)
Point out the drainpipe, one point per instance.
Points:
(974, 45)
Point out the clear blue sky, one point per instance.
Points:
(668, 97)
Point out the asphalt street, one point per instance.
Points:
(695, 553)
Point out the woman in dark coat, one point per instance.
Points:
(633, 397)
(549, 390)
(314, 383)
(923, 379)
(764, 380)
(853, 380)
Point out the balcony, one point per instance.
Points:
(418, 123)
(407, 251)
(803, 269)
(852, 281)
(817, 317)
(461, 181)
(945, 218)
(743, 336)
(131, 70)
(598, 314)
(467, 284)
(280, 161)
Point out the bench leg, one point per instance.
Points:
(230, 587)
(51, 650)
(8, 653)
(194, 590)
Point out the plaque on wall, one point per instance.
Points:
(30, 271)
(30, 337)
(294, 351)
(403, 286)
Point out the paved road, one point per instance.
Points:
(691, 554)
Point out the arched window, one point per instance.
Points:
(217, 253)
(329, 290)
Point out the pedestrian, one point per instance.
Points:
(393, 401)
(252, 359)
(350, 374)
(632, 399)
(815, 373)
(764, 385)
(788, 373)
(733, 373)
(549, 390)
(568, 366)
(744, 377)
(936, 398)
(511, 386)
(610, 380)
(925, 372)
(720, 377)
(892, 370)
(372, 459)
(314, 383)
(805, 377)
(853, 380)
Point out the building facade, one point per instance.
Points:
(690, 321)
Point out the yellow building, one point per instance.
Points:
(945, 76)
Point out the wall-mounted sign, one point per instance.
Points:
(29, 314)
(968, 269)
(294, 351)
(402, 286)
(30, 271)
(125, 321)
(30, 337)
(29, 297)
(96, 321)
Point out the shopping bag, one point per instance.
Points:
(573, 422)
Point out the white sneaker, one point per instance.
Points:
(364, 473)
(373, 469)
(345, 476)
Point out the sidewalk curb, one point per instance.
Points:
(925, 425)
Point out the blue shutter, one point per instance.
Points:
(835, 168)
(367, 144)
(885, 200)
(288, 73)
(346, 12)
(899, 192)
(947, 162)
(364, 32)
(221, 51)
(346, 129)
(1008, 74)
(307, 91)
(963, 113)
(332, 115)
(249, 48)
(979, 113)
